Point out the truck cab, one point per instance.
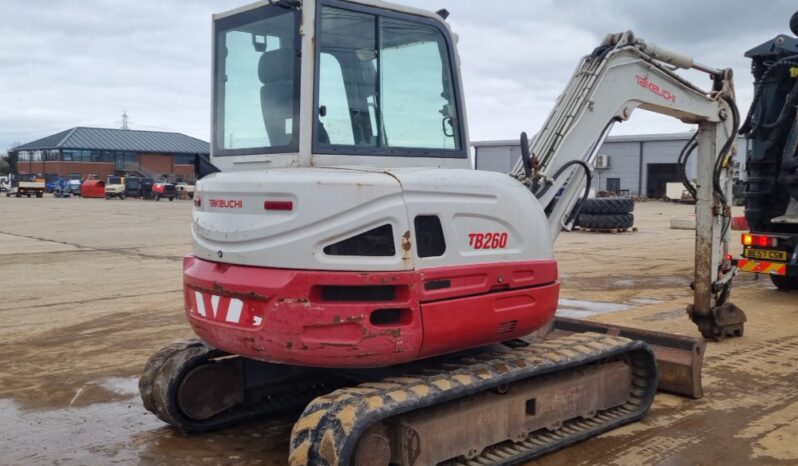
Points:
(115, 187)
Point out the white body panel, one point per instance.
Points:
(331, 205)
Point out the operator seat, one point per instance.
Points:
(276, 72)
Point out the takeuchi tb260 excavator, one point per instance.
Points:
(347, 259)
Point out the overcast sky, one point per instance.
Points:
(66, 63)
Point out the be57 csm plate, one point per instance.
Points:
(766, 254)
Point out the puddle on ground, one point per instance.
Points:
(645, 301)
(125, 433)
(580, 309)
(624, 282)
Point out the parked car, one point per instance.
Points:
(92, 188)
(62, 189)
(164, 190)
(51, 182)
(186, 188)
(146, 188)
(74, 187)
(137, 186)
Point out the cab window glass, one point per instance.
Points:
(384, 83)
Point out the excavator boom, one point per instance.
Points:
(623, 74)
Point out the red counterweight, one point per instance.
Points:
(359, 320)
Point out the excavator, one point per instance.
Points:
(350, 264)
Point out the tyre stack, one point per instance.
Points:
(607, 214)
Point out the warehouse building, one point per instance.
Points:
(83, 152)
(639, 165)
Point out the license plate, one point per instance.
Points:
(766, 254)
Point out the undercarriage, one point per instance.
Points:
(500, 405)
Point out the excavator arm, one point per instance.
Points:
(621, 75)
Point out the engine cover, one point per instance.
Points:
(367, 220)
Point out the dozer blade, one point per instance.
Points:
(679, 357)
(498, 408)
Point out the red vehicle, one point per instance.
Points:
(164, 191)
(93, 188)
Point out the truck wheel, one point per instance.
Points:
(785, 283)
(606, 222)
(121, 197)
(171, 199)
(608, 205)
(39, 194)
(157, 197)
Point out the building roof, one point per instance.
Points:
(622, 138)
(120, 140)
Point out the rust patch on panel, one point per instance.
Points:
(406, 247)
(219, 289)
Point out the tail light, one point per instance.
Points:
(759, 240)
(197, 201)
(279, 205)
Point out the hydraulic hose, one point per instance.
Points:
(586, 195)
(684, 156)
(787, 110)
(750, 124)
(723, 156)
(559, 173)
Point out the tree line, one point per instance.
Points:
(9, 161)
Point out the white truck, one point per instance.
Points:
(26, 184)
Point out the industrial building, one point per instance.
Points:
(638, 165)
(82, 152)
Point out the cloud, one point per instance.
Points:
(70, 62)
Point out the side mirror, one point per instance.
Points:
(525, 156)
(203, 167)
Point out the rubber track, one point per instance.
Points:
(331, 425)
(163, 374)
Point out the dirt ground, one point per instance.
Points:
(90, 288)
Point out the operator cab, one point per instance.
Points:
(335, 83)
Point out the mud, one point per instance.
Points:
(124, 433)
(91, 288)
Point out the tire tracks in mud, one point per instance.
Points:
(88, 301)
(130, 252)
